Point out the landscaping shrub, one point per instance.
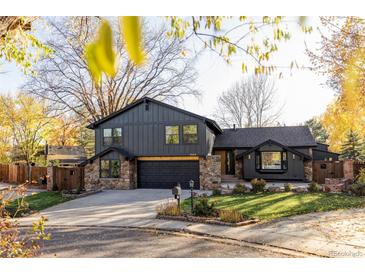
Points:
(202, 207)
(288, 187)
(216, 192)
(358, 189)
(239, 189)
(314, 187)
(168, 209)
(258, 185)
(231, 216)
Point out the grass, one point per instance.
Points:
(269, 206)
(37, 202)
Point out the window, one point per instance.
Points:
(271, 160)
(190, 134)
(172, 135)
(112, 136)
(109, 168)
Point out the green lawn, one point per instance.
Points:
(39, 201)
(268, 206)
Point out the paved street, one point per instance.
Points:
(124, 243)
(331, 234)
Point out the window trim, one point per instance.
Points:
(283, 163)
(109, 169)
(112, 137)
(178, 134)
(197, 134)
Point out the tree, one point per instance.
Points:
(341, 39)
(66, 82)
(318, 131)
(351, 148)
(254, 38)
(28, 122)
(18, 44)
(248, 103)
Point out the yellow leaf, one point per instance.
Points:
(92, 63)
(104, 49)
(132, 34)
(100, 55)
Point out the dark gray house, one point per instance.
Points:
(150, 144)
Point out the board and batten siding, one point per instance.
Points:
(295, 169)
(143, 132)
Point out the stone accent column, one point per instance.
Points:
(51, 178)
(210, 171)
(308, 170)
(91, 177)
(238, 166)
(348, 169)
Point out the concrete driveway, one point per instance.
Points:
(111, 208)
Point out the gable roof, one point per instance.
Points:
(209, 122)
(272, 142)
(289, 136)
(106, 151)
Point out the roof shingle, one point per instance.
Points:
(291, 136)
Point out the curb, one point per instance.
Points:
(206, 236)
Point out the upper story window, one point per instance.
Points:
(172, 135)
(109, 168)
(112, 136)
(190, 134)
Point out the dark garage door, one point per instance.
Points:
(165, 174)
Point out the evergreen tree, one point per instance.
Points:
(318, 131)
(351, 149)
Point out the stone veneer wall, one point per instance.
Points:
(210, 171)
(308, 170)
(126, 180)
(238, 166)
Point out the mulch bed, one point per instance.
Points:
(206, 220)
(80, 195)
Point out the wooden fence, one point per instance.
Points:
(327, 169)
(20, 173)
(66, 178)
(4, 173)
(358, 166)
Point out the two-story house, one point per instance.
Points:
(150, 144)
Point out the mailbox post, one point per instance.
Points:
(191, 184)
(176, 191)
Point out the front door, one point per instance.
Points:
(229, 162)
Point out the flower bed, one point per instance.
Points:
(206, 220)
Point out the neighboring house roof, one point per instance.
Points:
(66, 154)
(108, 150)
(209, 122)
(289, 136)
(272, 142)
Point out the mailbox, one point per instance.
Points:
(176, 191)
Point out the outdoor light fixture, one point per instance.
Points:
(191, 184)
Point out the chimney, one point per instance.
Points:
(234, 126)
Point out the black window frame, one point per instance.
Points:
(197, 134)
(115, 139)
(110, 169)
(283, 161)
(178, 134)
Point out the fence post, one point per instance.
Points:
(348, 169)
(51, 177)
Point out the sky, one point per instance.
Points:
(301, 93)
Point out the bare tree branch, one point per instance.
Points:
(249, 103)
(65, 79)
